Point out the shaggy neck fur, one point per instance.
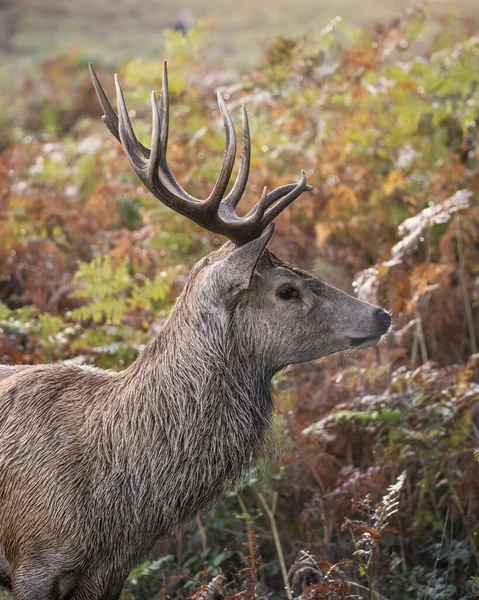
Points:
(193, 415)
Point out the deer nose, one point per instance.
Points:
(384, 319)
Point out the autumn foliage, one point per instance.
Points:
(376, 491)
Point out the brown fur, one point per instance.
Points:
(97, 466)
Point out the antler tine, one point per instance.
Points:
(257, 213)
(221, 184)
(156, 141)
(283, 191)
(164, 109)
(142, 166)
(128, 139)
(232, 199)
(164, 118)
(219, 189)
(217, 212)
(110, 118)
(278, 193)
(285, 201)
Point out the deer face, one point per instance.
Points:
(303, 318)
(280, 312)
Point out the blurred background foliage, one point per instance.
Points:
(375, 493)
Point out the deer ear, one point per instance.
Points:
(238, 267)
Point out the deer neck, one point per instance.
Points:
(192, 365)
(201, 406)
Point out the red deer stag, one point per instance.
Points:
(97, 466)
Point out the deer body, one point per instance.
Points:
(96, 467)
(167, 436)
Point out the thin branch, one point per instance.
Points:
(277, 542)
(202, 532)
(465, 291)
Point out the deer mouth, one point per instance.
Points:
(364, 342)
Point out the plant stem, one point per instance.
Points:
(364, 567)
(277, 542)
(202, 532)
(465, 292)
(249, 524)
(420, 337)
(443, 536)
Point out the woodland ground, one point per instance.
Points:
(376, 491)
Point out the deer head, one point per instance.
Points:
(269, 308)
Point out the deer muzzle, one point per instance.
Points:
(380, 324)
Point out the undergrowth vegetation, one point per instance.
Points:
(376, 490)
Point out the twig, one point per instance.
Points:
(270, 513)
(202, 532)
(465, 291)
(419, 341)
(249, 524)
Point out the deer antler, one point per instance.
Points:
(217, 212)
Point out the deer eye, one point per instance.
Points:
(288, 293)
